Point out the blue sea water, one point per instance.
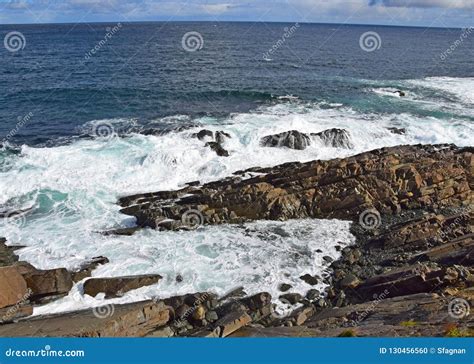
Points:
(143, 72)
(78, 101)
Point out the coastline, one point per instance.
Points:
(419, 281)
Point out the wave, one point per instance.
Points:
(460, 89)
(257, 256)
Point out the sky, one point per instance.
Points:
(434, 13)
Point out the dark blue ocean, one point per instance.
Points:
(92, 112)
(143, 72)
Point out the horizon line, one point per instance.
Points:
(232, 21)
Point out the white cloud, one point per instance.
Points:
(453, 4)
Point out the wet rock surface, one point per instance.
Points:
(292, 139)
(388, 180)
(117, 286)
(214, 140)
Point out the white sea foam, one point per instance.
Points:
(74, 189)
(259, 256)
(461, 89)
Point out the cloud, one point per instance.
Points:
(453, 4)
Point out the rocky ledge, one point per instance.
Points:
(410, 272)
(388, 180)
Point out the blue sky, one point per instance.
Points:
(436, 13)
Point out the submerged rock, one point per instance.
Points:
(284, 287)
(214, 140)
(216, 147)
(399, 131)
(203, 134)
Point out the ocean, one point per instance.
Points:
(78, 102)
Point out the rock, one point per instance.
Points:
(216, 147)
(291, 298)
(407, 280)
(7, 214)
(183, 311)
(312, 294)
(292, 139)
(399, 131)
(122, 231)
(43, 283)
(336, 138)
(211, 316)
(303, 314)
(284, 287)
(257, 301)
(221, 136)
(130, 320)
(199, 313)
(345, 189)
(12, 286)
(7, 255)
(116, 286)
(321, 302)
(229, 324)
(327, 259)
(353, 256)
(85, 270)
(203, 134)
(311, 280)
(19, 310)
(179, 278)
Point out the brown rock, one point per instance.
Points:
(350, 281)
(51, 282)
(86, 268)
(129, 320)
(116, 286)
(230, 323)
(388, 179)
(12, 286)
(291, 298)
(311, 280)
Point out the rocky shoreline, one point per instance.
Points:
(410, 272)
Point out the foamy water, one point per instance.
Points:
(74, 189)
